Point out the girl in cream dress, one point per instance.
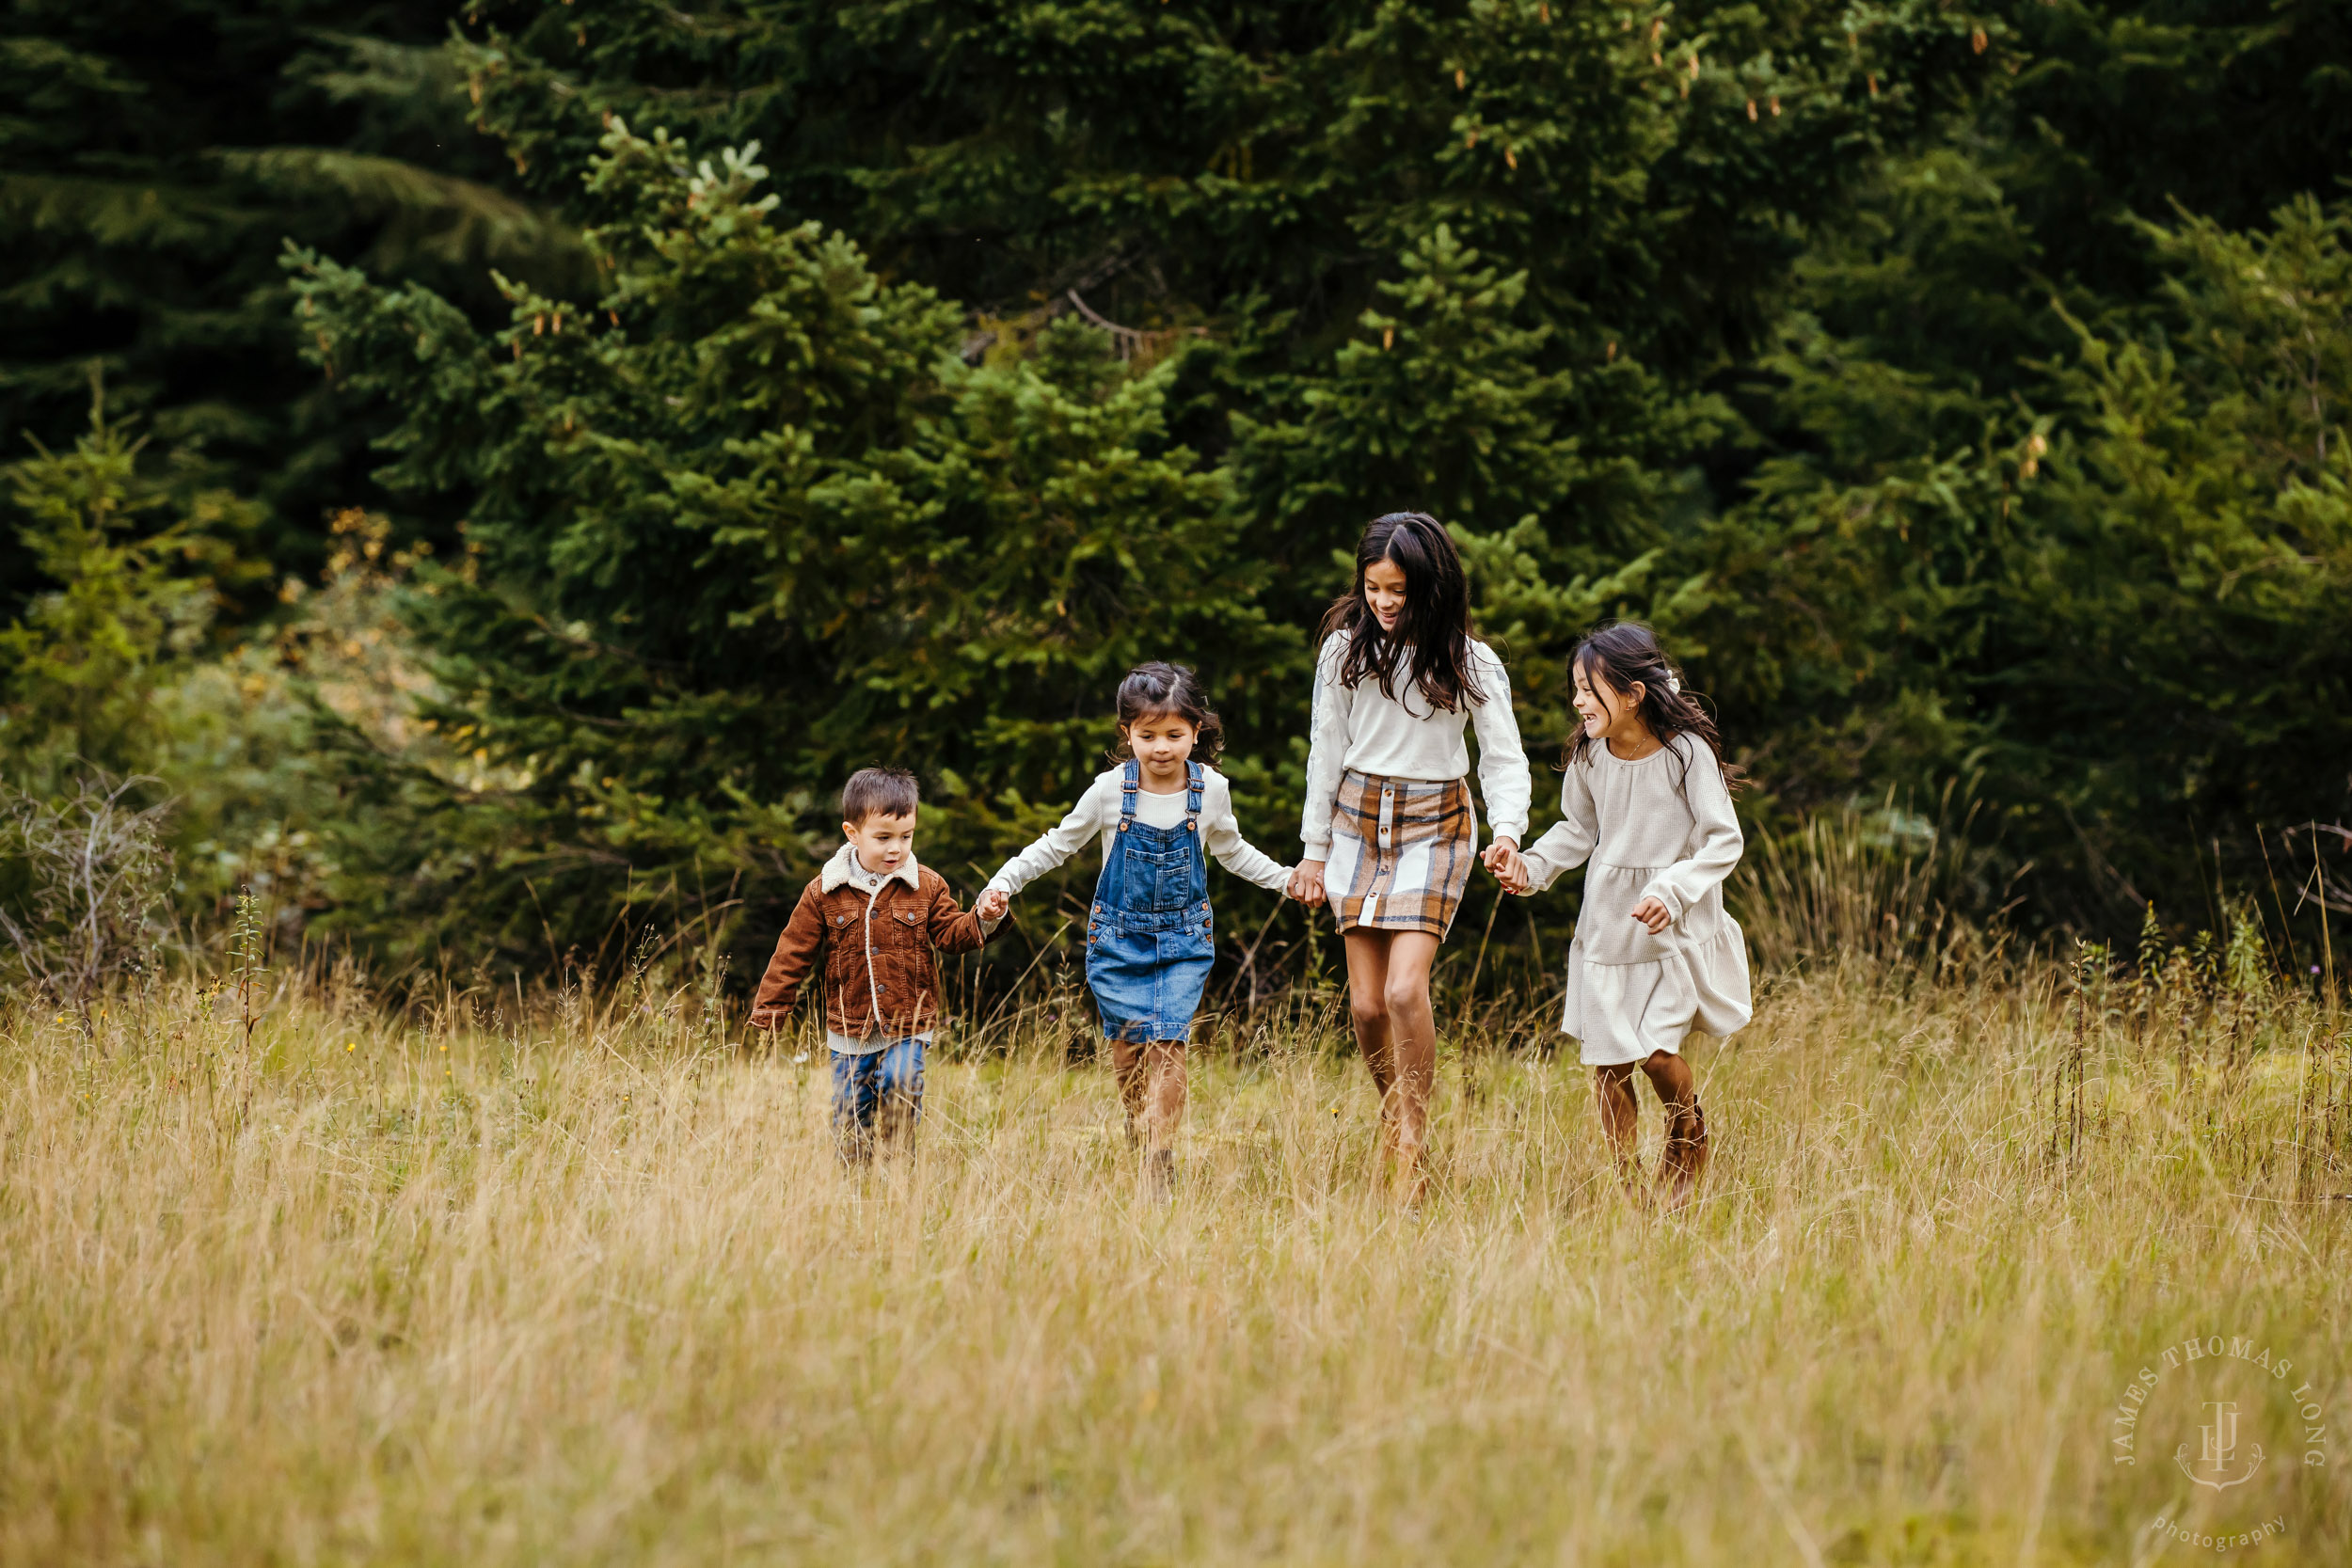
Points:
(1646, 807)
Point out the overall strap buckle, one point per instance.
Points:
(1192, 796)
(1129, 780)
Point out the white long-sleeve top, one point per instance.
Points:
(1096, 814)
(1661, 827)
(1404, 737)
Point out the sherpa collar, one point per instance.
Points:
(844, 865)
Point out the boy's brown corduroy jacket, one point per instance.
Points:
(878, 975)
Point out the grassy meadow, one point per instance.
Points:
(502, 1279)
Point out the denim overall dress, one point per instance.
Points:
(1148, 936)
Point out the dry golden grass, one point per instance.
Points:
(574, 1286)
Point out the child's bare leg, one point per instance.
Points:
(1129, 1065)
(1620, 1119)
(1163, 1111)
(1368, 1007)
(1164, 1095)
(1412, 1052)
(1686, 1125)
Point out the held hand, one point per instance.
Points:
(1306, 882)
(993, 904)
(1502, 857)
(1652, 914)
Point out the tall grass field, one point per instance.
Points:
(579, 1280)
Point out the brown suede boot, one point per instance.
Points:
(1685, 1158)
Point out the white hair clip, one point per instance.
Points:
(1673, 683)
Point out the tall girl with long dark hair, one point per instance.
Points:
(1389, 826)
(1646, 802)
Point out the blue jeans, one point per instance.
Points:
(879, 1091)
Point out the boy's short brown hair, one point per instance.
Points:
(878, 792)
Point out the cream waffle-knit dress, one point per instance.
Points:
(1660, 827)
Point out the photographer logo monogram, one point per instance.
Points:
(2220, 1448)
(2212, 1406)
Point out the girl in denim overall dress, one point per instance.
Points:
(1160, 814)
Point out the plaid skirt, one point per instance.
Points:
(1401, 853)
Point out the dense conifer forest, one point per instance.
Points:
(490, 471)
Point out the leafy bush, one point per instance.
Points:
(117, 672)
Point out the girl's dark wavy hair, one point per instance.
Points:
(1158, 688)
(1437, 619)
(1618, 655)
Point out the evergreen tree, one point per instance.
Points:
(1481, 258)
(156, 159)
(1879, 600)
(1641, 176)
(78, 673)
(741, 524)
(1445, 398)
(2166, 641)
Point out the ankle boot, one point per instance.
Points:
(1685, 1155)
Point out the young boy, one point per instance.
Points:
(874, 918)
